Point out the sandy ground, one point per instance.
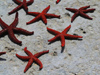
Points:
(79, 57)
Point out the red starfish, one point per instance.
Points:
(81, 11)
(42, 15)
(1, 53)
(32, 58)
(23, 5)
(58, 1)
(62, 35)
(11, 28)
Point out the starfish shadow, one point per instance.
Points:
(2, 59)
(62, 49)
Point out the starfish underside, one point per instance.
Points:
(32, 58)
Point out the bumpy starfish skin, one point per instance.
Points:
(10, 30)
(81, 11)
(32, 58)
(23, 5)
(58, 1)
(42, 15)
(1, 53)
(62, 35)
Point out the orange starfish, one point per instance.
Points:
(42, 15)
(12, 28)
(32, 58)
(23, 5)
(62, 35)
(81, 11)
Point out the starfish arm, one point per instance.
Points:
(52, 15)
(44, 19)
(15, 22)
(53, 39)
(88, 10)
(12, 37)
(84, 15)
(3, 25)
(17, 2)
(84, 7)
(66, 29)
(57, 1)
(28, 65)
(25, 6)
(38, 62)
(27, 52)
(23, 57)
(2, 32)
(46, 9)
(74, 16)
(53, 31)
(1, 53)
(71, 9)
(62, 41)
(29, 2)
(40, 53)
(33, 20)
(15, 9)
(68, 36)
(23, 31)
(33, 13)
